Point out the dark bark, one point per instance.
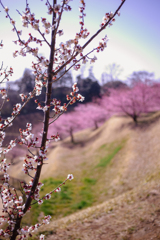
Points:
(96, 125)
(71, 134)
(135, 119)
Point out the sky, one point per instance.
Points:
(134, 38)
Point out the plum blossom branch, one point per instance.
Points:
(72, 99)
(4, 126)
(82, 58)
(57, 189)
(95, 35)
(47, 68)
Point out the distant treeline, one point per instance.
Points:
(89, 87)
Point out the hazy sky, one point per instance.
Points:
(134, 38)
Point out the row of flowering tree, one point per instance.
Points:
(84, 116)
(64, 56)
(143, 97)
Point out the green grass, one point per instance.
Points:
(107, 159)
(85, 193)
(103, 146)
(91, 181)
(75, 195)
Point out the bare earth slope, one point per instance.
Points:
(128, 190)
(132, 209)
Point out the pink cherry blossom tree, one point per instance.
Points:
(131, 101)
(67, 125)
(92, 114)
(64, 56)
(84, 116)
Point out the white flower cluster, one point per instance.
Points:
(22, 96)
(4, 165)
(93, 59)
(17, 109)
(27, 137)
(75, 95)
(38, 86)
(28, 230)
(70, 177)
(4, 93)
(57, 106)
(4, 74)
(45, 108)
(46, 25)
(8, 121)
(10, 146)
(2, 136)
(102, 44)
(7, 198)
(31, 163)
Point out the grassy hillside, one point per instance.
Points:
(116, 182)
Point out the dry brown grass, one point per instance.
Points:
(130, 209)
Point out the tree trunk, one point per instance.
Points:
(96, 125)
(135, 119)
(71, 135)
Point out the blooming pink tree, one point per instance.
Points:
(66, 55)
(84, 116)
(131, 101)
(67, 125)
(92, 114)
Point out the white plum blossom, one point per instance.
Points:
(40, 201)
(6, 9)
(46, 220)
(8, 121)
(35, 26)
(24, 19)
(22, 96)
(47, 196)
(93, 59)
(47, 31)
(15, 54)
(38, 87)
(41, 237)
(111, 14)
(80, 97)
(4, 93)
(56, 8)
(60, 32)
(29, 126)
(75, 88)
(58, 189)
(35, 52)
(70, 177)
(45, 108)
(17, 108)
(57, 138)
